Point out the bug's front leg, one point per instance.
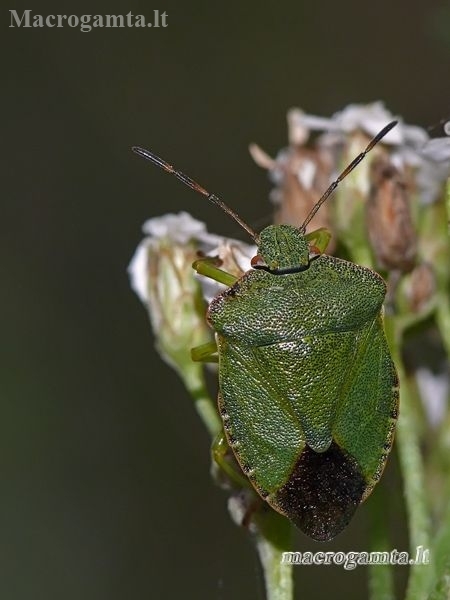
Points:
(319, 239)
(206, 353)
(207, 266)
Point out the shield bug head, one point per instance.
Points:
(282, 249)
(308, 392)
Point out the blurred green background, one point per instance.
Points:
(105, 488)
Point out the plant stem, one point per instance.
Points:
(194, 380)
(443, 319)
(381, 577)
(441, 589)
(272, 540)
(413, 473)
(277, 575)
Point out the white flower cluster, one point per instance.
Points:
(411, 145)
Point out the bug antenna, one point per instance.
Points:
(373, 142)
(196, 187)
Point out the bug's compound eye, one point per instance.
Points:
(258, 262)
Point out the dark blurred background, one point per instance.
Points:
(104, 480)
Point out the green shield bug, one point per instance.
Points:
(308, 391)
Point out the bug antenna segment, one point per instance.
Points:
(196, 187)
(373, 142)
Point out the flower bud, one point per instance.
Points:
(161, 274)
(388, 217)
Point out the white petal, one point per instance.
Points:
(437, 149)
(138, 272)
(306, 173)
(317, 123)
(371, 118)
(414, 136)
(298, 132)
(430, 178)
(179, 228)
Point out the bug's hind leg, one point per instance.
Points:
(245, 496)
(222, 456)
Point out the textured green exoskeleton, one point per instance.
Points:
(308, 390)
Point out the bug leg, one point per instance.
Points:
(250, 503)
(205, 353)
(208, 267)
(220, 451)
(254, 506)
(319, 239)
